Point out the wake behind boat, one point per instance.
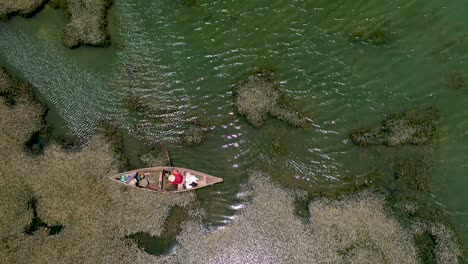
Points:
(165, 179)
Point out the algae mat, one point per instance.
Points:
(347, 64)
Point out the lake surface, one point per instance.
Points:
(182, 61)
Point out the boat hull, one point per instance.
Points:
(157, 179)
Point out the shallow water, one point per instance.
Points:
(183, 60)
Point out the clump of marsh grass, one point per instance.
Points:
(412, 174)
(415, 127)
(156, 157)
(259, 96)
(25, 8)
(194, 134)
(88, 23)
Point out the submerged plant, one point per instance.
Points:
(370, 35)
(412, 174)
(189, 2)
(415, 127)
(260, 96)
(276, 143)
(133, 103)
(455, 80)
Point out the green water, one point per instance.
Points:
(182, 61)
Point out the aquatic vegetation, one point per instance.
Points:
(72, 190)
(339, 231)
(437, 243)
(155, 157)
(259, 96)
(115, 137)
(378, 37)
(190, 2)
(276, 144)
(63, 4)
(364, 229)
(455, 80)
(162, 244)
(194, 135)
(26, 8)
(133, 103)
(88, 23)
(426, 243)
(7, 84)
(15, 210)
(12, 89)
(88, 18)
(371, 35)
(412, 174)
(415, 127)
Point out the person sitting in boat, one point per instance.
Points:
(176, 177)
(131, 179)
(190, 181)
(141, 181)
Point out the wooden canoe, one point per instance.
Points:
(157, 179)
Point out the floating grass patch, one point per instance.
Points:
(25, 8)
(194, 135)
(88, 22)
(259, 97)
(415, 127)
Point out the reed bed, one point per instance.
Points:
(9, 8)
